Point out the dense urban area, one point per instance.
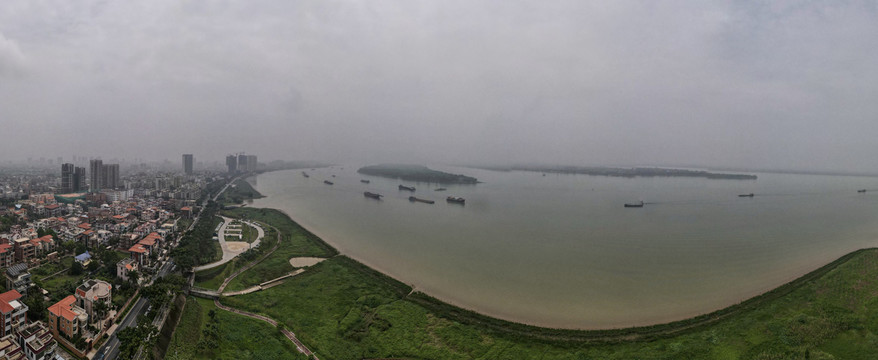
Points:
(94, 253)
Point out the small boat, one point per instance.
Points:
(406, 188)
(456, 200)
(372, 195)
(425, 201)
(440, 189)
(364, 181)
(747, 195)
(333, 175)
(861, 190)
(327, 182)
(634, 205)
(305, 174)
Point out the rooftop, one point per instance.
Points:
(16, 269)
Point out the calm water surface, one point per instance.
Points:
(561, 251)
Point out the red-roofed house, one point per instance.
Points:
(139, 253)
(67, 318)
(13, 313)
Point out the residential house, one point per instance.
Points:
(13, 312)
(9, 349)
(18, 278)
(124, 267)
(37, 342)
(91, 292)
(65, 317)
(7, 255)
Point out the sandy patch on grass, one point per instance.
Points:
(238, 246)
(305, 261)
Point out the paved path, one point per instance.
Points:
(228, 255)
(265, 285)
(248, 266)
(289, 334)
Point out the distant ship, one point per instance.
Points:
(305, 174)
(440, 189)
(634, 205)
(406, 188)
(327, 182)
(425, 201)
(456, 200)
(861, 191)
(747, 195)
(364, 181)
(372, 195)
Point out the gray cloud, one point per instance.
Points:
(12, 61)
(623, 82)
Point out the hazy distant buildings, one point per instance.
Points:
(232, 163)
(95, 173)
(103, 176)
(188, 162)
(242, 163)
(79, 183)
(68, 173)
(251, 162)
(110, 175)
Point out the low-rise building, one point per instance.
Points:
(9, 349)
(67, 318)
(37, 342)
(7, 255)
(90, 293)
(124, 267)
(13, 312)
(18, 278)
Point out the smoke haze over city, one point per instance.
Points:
(729, 84)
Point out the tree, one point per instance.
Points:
(36, 307)
(76, 268)
(133, 276)
(101, 308)
(131, 338)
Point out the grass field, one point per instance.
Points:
(51, 268)
(236, 336)
(345, 310)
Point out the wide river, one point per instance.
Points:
(562, 251)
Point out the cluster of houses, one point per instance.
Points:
(141, 227)
(19, 338)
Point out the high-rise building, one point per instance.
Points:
(188, 163)
(251, 162)
(79, 183)
(110, 175)
(67, 178)
(242, 163)
(232, 163)
(95, 173)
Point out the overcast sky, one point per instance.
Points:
(731, 83)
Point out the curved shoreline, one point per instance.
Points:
(630, 333)
(439, 300)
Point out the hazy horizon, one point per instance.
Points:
(734, 85)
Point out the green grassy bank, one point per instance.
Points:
(226, 336)
(345, 310)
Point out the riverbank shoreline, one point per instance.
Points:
(482, 318)
(594, 336)
(446, 299)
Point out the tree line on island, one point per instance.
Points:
(416, 173)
